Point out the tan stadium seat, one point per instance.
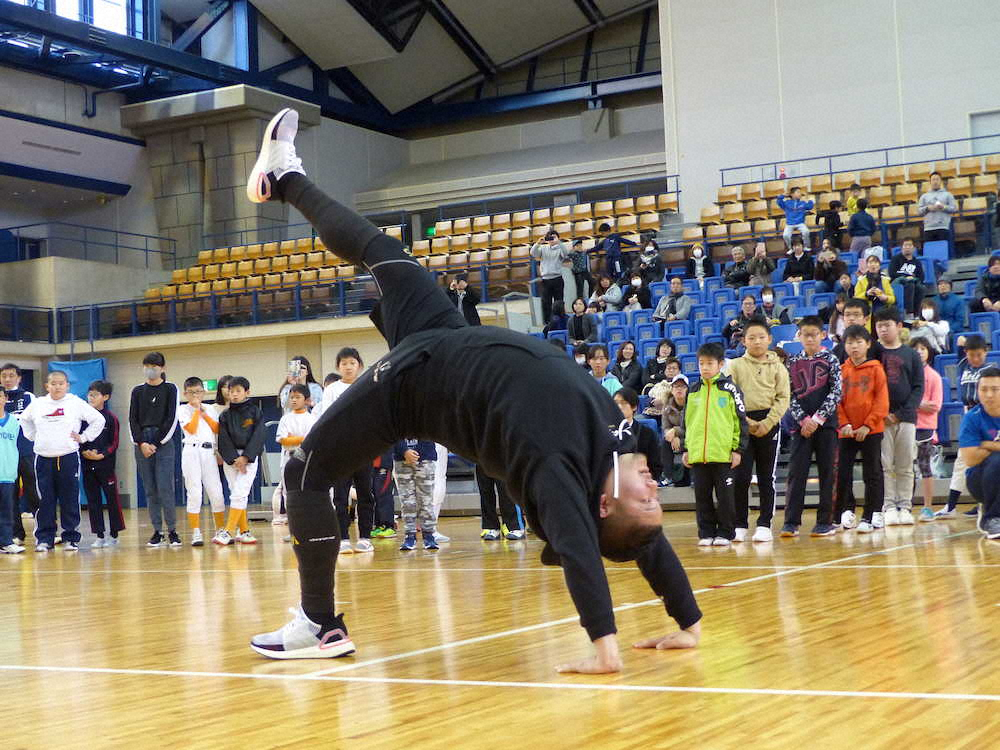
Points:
(880, 196)
(824, 200)
(538, 233)
(906, 193)
(710, 215)
(220, 255)
(245, 268)
(220, 287)
(314, 260)
(717, 233)
(205, 257)
(318, 245)
(479, 258)
(481, 224)
(773, 188)
(185, 290)
(563, 228)
(237, 286)
(984, 183)
(290, 278)
(458, 260)
(307, 244)
(288, 247)
(631, 205)
(582, 211)
(211, 272)
(238, 253)
(196, 274)
(461, 226)
(625, 224)
(460, 243)
(960, 187)
(254, 251)
(844, 180)
(692, 234)
(499, 256)
(732, 212)
(751, 191)
(894, 176)
(421, 247)
(152, 294)
(280, 264)
(309, 276)
(774, 210)
(272, 281)
(756, 210)
(179, 276)
(799, 182)
(894, 214)
(973, 207)
(327, 275)
(437, 262)
(918, 172)
(500, 237)
(479, 241)
(585, 228)
(501, 221)
(562, 214)
(947, 168)
(870, 178)
(442, 228)
(254, 283)
(520, 219)
(270, 250)
(227, 270)
(297, 262)
(203, 289)
(728, 194)
(765, 226)
(667, 202)
(992, 164)
(969, 166)
(821, 183)
(395, 232)
(604, 209)
(331, 259)
(740, 231)
(649, 222)
(541, 216)
(519, 236)
(440, 245)
(168, 292)
(261, 266)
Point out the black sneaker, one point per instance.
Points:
(175, 540)
(156, 540)
(970, 513)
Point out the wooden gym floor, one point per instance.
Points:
(884, 641)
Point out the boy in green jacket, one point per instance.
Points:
(715, 434)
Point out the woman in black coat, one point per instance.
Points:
(580, 327)
(627, 368)
(699, 261)
(653, 373)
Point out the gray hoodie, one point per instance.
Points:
(551, 257)
(937, 219)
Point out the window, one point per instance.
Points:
(110, 15)
(68, 9)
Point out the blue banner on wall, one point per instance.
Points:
(81, 373)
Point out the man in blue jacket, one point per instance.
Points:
(612, 243)
(795, 215)
(951, 307)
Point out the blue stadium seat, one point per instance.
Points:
(638, 317)
(647, 350)
(953, 338)
(569, 350)
(985, 323)
(949, 421)
(792, 347)
(727, 311)
(613, 348)
(946, 388)
(674, 328)
(793, 304)
(690, 285)
(712, 338)
(777, 277)
(745, 290)
(651, 424)
(970, 287)
(807, 288)
(947, 367)
(995, 341)
(699, 312)
(689, 364)
(937, 250)
(540, 336)
(706, 327)
(722, 295)
(782, 290)
(784, 332)
(648, 331)
(735, 353)
(685, 345)
(659, 288)
(802, 311)
(713, 282)
(616, 319)
(824, 299)
(643, 403)
(616, 333)
(993, 358)
(561, 335)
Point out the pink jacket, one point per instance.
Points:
(933, 392)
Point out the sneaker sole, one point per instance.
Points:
(258, 181)
(244, 541)
(222, 544)
(199, 543)
(788, 534)
(341, 648)
(817, 534)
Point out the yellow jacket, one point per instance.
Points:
(764, 383)
(861, 290)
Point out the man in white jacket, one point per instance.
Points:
(53, 422)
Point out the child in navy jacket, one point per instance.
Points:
(99, 469)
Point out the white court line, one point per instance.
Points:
(293, 571)
(509, 684)
(575, 618)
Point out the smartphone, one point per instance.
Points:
(294, 368)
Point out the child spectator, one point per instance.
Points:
(152, 419)
(861, 227)
(854, 199)
(795, 216)
(930, 328)
(384, 492)
(10, 430)
(970, 369)
(951, 307)
(647, 440)
(673, 306)
(580, 267)
(672, 422)
(833, 227)
(715, 435)
(763, 379)
(54, 422)
(800, 266)
(597, 359)
(909, 271)
(699, 266)
(299, 371)
(199, 424)
(760, 266)
(414, 464)
(18, 399)
(627, 367)
(611, 244)
(856, 313)
(875, 286)
(99, 476)
(833, 316)
(927, 420)
(558, 321)
(580, 355)
(292, 430)
(241, 442)
(814, 374)
(862, 413)
(904, 373)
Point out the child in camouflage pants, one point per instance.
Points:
(414, 462)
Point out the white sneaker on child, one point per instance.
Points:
(741, 535)
(891, 517)
(848, 520)
(706, 542)
(345, 547)
(363, 545)
(905, 517)
(762, 534)
(720, 542)
(878, 520)
(197, 540)
(865, 527)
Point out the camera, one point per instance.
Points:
(549, 236)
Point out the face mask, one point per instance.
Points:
(768, 299)
(927, 314)
(697, 253)
(150, 373)
(636, 282)
(581, 360)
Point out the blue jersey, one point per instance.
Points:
(968, 382)
(10, 429)
(977, 427)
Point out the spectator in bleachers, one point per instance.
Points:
(904, 373)
(649, 264)
(733, 330)
(936, 206)
(814, 375)
(654, 371)
(699, 265)
(833, 227)
(927, 421)
(930, 328)
(760, 266)
(772, 312)
(829, 269)
(672, 422)
(799, 266)
(611, 243)
(856, 195)
(627, 367)
(673, 306)
(580, 354)
(607, 295)
(299, 371)
(598, 359)
(636, 294)
(909, 271)
(978, 441)
(861, 227)
(844, 285)
(795, 215)
(987, 294)
(833, 316)
(647, 440)
(465, 298)
(951, 306)
(971, 366)
(875, 286)
(552, 253)
(580, 266)
(763, 379)
(581, 328)
(737, 275)
(558, 321)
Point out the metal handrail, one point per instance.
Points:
(118, 245)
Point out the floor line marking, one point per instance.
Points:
(511, 684)
(575, 618)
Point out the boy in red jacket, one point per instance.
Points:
(862, 413)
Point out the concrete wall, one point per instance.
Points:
(61, 282)
(769, 80)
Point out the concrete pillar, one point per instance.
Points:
(201, 149)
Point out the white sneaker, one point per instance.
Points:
(364, 545)
(12, 549)
(301, 639)
(223, 538)
(42, 547)
(197, 540)
(741, 535)
(97, 543)
(345, 547)
(762, 534)
(848, 520)
(864, 527)
(945, 512)
(279, 521)
(441, 538)
(891, 517)
(111, 541)
(905, 517)
(246, 537)
(707, 542)
(277, 156)
(878, 520)
(720, 542)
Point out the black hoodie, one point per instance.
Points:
(241, 432)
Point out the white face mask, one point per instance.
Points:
(697, 252)
(581, 360)
(636, 282)
(927, 314)
(767, 299)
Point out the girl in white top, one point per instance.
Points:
(199, 422)
(292, 430)
(930, 327)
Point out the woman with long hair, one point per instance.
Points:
(627, 368)
(299, 371)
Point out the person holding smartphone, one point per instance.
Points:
(299, 372)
